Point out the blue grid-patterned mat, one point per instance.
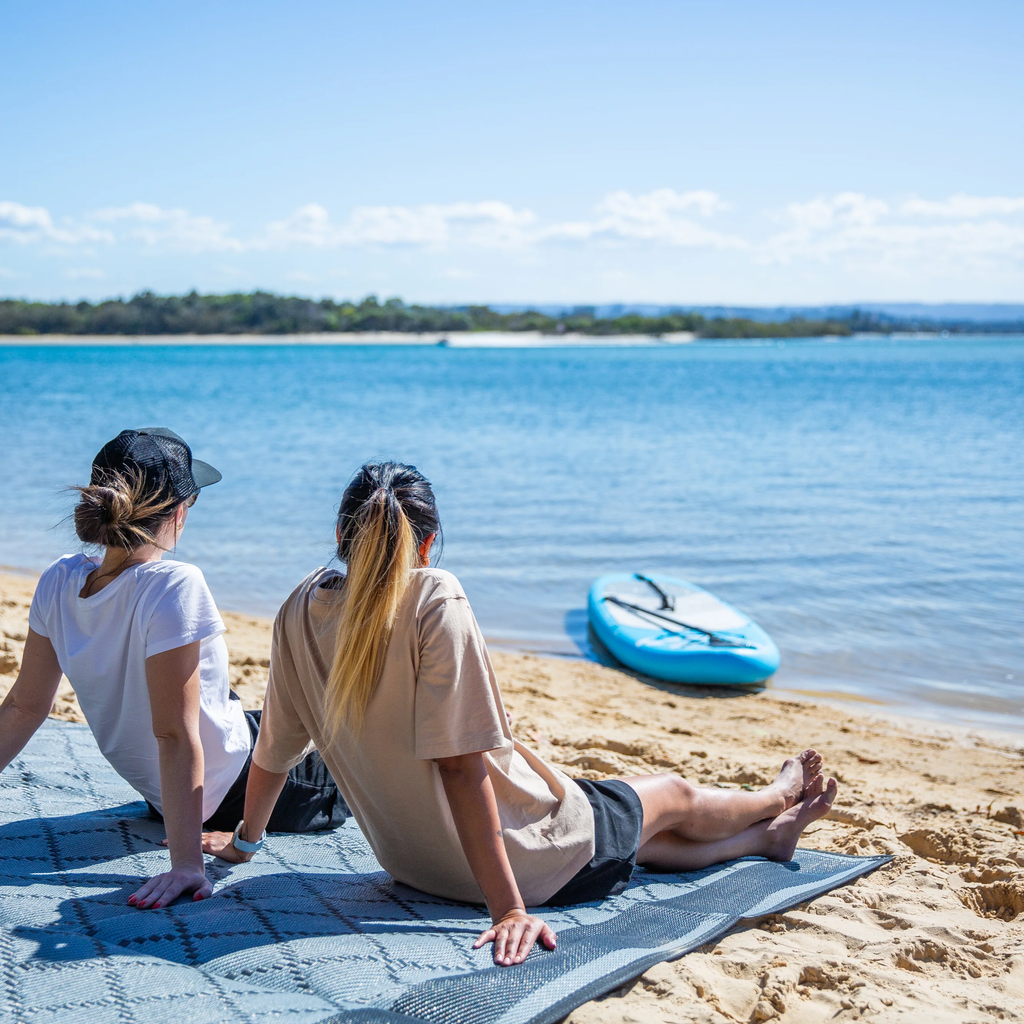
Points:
(311, 929)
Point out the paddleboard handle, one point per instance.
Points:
(668, 602)
(715, 638)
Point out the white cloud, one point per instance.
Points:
(488, 224)
(33, 224)
(866, 234)
(847, 209)
(878, 240)
(663, 216)
(964, 206)
(154, 227)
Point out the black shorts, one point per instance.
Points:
(310, 800)
(618, 821)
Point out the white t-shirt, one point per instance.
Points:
(102, 643)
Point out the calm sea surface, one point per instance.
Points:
(862, 500)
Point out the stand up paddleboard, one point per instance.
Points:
(673, 630)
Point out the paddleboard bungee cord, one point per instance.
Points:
(714, 638)
(668, 602)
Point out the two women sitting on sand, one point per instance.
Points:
(383, 671)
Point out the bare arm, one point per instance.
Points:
(173, 680)
(30, 699)
(475, 810)
(261, 792)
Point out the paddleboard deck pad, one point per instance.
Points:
(673, 630)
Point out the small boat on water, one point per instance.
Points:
(676, 631)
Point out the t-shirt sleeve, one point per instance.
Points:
(457, 704)
(181, 612)
(43, 600)
(46, 596)
(283, 740)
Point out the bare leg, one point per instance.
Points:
(708, 815)
(775, 839)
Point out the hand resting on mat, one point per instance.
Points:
(514, 936)
(220, 844)
(161, 890)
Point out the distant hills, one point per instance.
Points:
(266, 313)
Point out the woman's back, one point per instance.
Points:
(437, 697)
(102, 642)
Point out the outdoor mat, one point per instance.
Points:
(311, 929)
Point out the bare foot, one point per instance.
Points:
(795, 774)
(783, 833)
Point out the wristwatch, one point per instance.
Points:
(242, 845)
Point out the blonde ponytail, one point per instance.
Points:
(380, 559)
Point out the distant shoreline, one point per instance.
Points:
(447, 339)
(452, 339)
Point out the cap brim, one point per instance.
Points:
(204, 474)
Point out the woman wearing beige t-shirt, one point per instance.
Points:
(385, 672)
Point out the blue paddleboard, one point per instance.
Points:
(674, 630)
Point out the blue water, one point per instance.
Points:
(863, 500)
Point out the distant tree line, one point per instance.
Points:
(266, 313)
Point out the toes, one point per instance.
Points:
(809, 755)
(815, 787)
(828, 793)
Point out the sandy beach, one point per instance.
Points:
(936, 936)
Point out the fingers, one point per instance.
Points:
(527, 938)
(216, 842)
(515, 937)
(501, 944)
(163, 889)
(164, 893)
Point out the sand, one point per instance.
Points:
(937, 936)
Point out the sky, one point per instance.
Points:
(685, 153)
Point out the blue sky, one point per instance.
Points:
(549, 152)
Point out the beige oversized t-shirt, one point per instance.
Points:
(437, 697)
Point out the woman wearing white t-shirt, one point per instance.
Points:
(385, 670)
(141, 641)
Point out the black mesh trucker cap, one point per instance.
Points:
(164, 460)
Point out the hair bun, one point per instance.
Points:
(118, 513)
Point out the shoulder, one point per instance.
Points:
(168, 573)
(186, 582)
(436, 584)
(298, 600)
(57, 573)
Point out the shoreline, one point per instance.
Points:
(937, 934)
(850, 701)
(452, 339)
(443, 339)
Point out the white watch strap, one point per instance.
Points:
(246, 847)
